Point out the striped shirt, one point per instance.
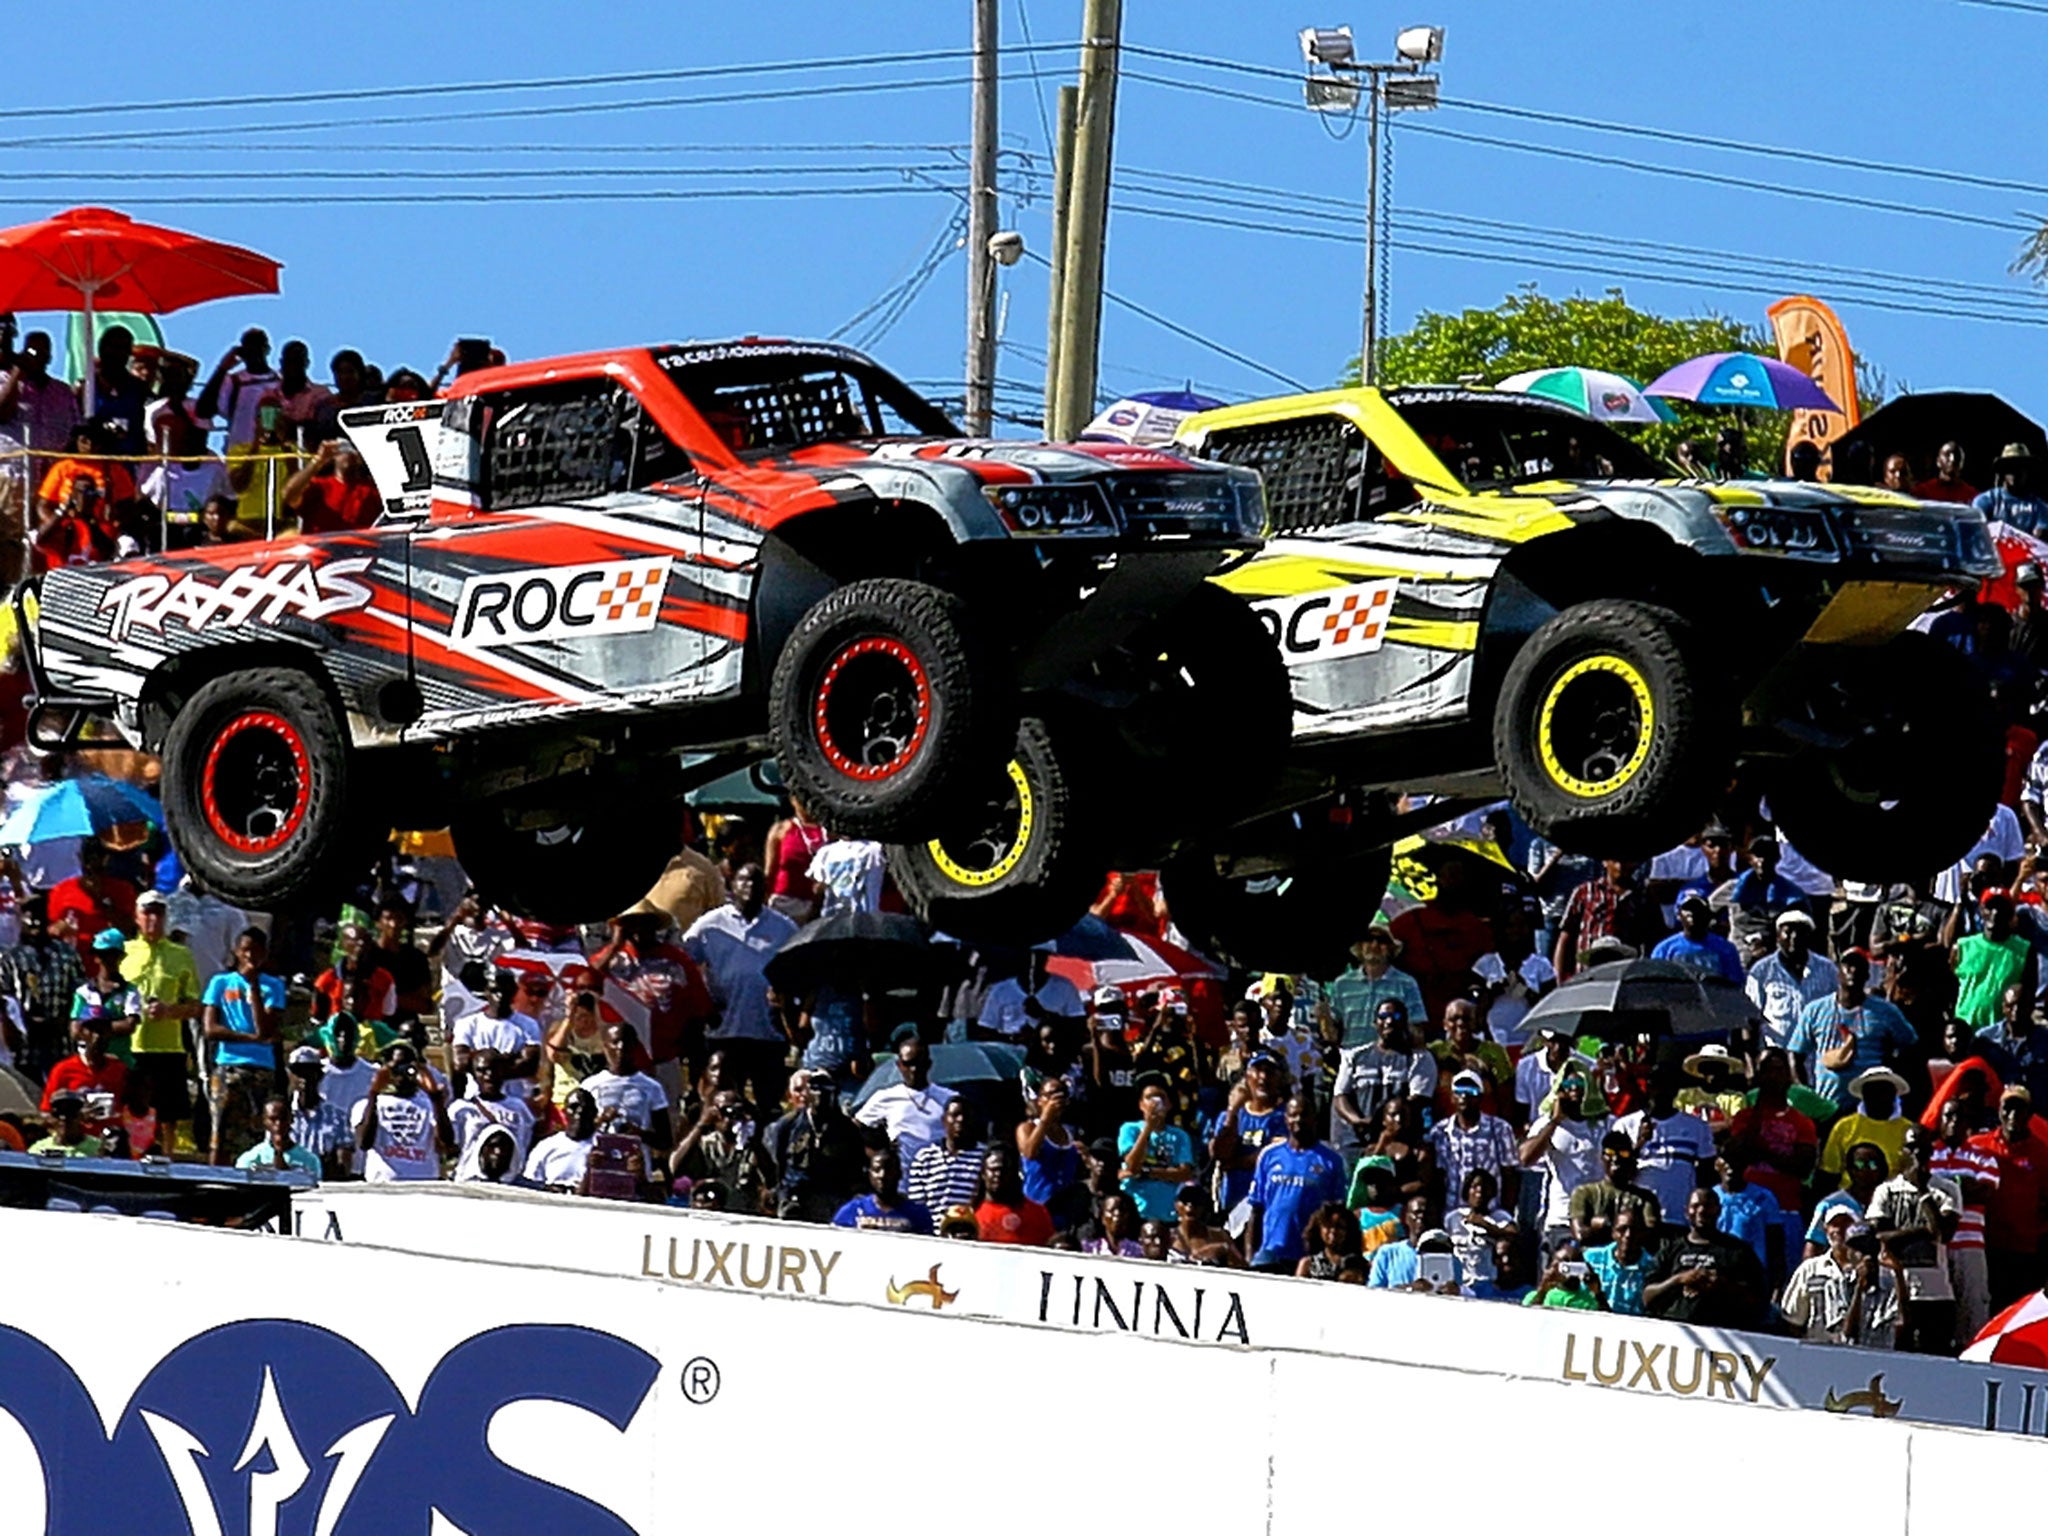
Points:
(940, 1179)
(1460, 1149)
(1958, 1164)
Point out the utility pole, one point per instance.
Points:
(981, 225)
(1062, 198)
(1087, 218)
(1369, 347)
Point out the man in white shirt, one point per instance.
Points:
(559, 1161)
(913, 1111)
(629, 1102)
(1565, 1144)
(1914, 1216)
(1671, 1145)
(1015, 1005)
(501, 1027)
(2003, 837)
(490, 1104)
(1791, 976)
(733, 944)
(401, 1127)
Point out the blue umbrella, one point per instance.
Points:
(86, 807)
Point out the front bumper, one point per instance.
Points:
(57, 721)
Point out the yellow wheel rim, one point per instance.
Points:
(977, 873)
(1625, 743)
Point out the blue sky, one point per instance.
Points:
(1927, 83)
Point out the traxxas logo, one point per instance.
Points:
(561, 602)
(284, 1429)
(265, 594)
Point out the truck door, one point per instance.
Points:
(568, 588)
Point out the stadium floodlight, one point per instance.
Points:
(1411, 93)
(1328, 46)
(1420, 45)
(1324, 93)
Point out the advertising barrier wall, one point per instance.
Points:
(662, 1246)
(247, 1385)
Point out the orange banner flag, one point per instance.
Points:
(1811, 339)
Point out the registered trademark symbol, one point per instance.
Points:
(700, 1380)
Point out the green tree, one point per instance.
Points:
(1528, 330)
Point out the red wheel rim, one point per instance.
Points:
(873, 709)
(257, 782)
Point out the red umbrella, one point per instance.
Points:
(1150, 964)
(2015, 549)
(90, 258)
(2017, 1336)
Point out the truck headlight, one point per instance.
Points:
(1802, 532)
(1040, 511)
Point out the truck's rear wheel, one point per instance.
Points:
(1017, 863)
(880, 701)
(1919, 778)
(582, 854)
(1610, 740)
(258, 775)
(1303, 921)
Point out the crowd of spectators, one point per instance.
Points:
(1863, 1168)
(254, 449)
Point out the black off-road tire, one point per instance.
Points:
(1300, 923)
(582, 855)
(1610, 737)
(880, 703)
(260, 790)
(1217, 714)
(1914, 792)
(1022, 861)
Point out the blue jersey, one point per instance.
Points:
(1287, 1186)
(1255, 1132)
(869, 1214)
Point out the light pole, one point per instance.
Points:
(1404, 85)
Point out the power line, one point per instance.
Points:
(2027, 6)
(1184, 333)
(578, 195)
(1037, 90)
(1510, 253)
(1312, 205)
(570, 109)
(1662, 135)
(1739, 183)
(493, 87)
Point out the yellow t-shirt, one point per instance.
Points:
(163, 972)
(1890, 1135)
(269, 469)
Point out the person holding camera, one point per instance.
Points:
(333, 492)
(1569, 1283)
(1846, 1295)
(76, 500)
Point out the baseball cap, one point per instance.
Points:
(1468, 1081)
(1997, 895)
(1794, 917)
(2017, 1091)
(1265, 1059)
(1837, 1213)
(109, 939)
(64, 1097)
(151, 899)
(303, 1056)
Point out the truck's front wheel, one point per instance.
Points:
(1610, 738)
(881, 701)
(257, 789)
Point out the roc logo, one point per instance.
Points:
(1321, 626)
(562, 602)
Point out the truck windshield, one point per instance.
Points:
(775, 399)
(1495, 443)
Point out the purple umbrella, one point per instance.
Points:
(1741, 378)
